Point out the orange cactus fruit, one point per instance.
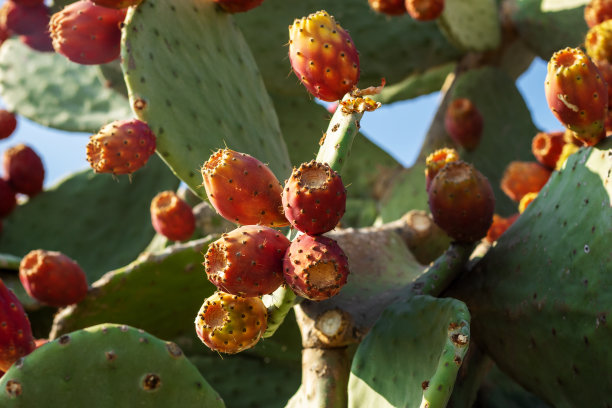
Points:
(172, 217)
(566, 152)
(499, 226)
(231, 323)
(577, 94)
(323, 56)
(547, 146)
(597, 11)
(424, 10)
(436, 160)
(389, 7)
(521, 178)
(243, 190)
(526, 200)
(598, 42)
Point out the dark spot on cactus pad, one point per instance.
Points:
(457, 360)
(151, 382)
(425, 385)
(174, 350)
(63, 340)
(13, 388)
(139, 104)
(124, 328)
(110, 355)
(586, 340)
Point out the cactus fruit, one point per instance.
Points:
(121, 147)
(315, 267)
(230, 323)
(323, 56)
(24, 170)
(436, 161)
(577, 94)
(87, 34)
(521, 178)
(499, 226)
(172, 217)
(8, 123)
(463, 122)
(28, 3)
(566, 152)
(116, 4)
(424, 10)
(526, 200)
(24, 20)
(390, 7)
(52, 278)
(247, 261)
(7, 198)
(597, 11)
(15, 332)
(314, 198)
(238, 6)
(547, 146)
(598, 42)
(461, 201)
(40, 42)
(242, 189)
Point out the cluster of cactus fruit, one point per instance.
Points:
(494, 297)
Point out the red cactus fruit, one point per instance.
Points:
(461, 201)
(23, 20)
(8, 123)
(463, 122)
(7, 198)
(121, 147)
(230, 323)
(238, 6)
(547, 146)
(389, 7)
(172, 217)
(526, 200)
(577, 94)
(24, 169)
(52, 278)
(15, 331)
(116, 4)
(247, 261)
(424, 10)
(436, 161)
(521, 178)
(242, 189)
(499, 226)
(314, 198)
(598, 42)
(597, 11)
(315, 267)
(87, 34)
(323, 56)
(40, 42)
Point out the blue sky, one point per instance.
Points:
(64, 152)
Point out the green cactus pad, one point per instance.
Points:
(197, 86)
(245, 381)
(499, 391)
(49, 89)
(539, 297)
(429, 338)
(547, 26)
(472, 25)
(111, 76)
(100, 221)
(106, 366)
(9, 262)
(387, 46)
(160, 292)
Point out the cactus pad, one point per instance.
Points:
(116, 365)
(471, 24)
(201, 90)
(49, 89)
(433, 335)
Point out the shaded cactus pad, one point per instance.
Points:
(104, 366)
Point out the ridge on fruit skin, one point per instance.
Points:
(172, 217)
(121, 147)
(314, 198)
(315, 267)
(577, 94)
(323, 56)
(247, 261)
(242, 189)
(231, 323)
